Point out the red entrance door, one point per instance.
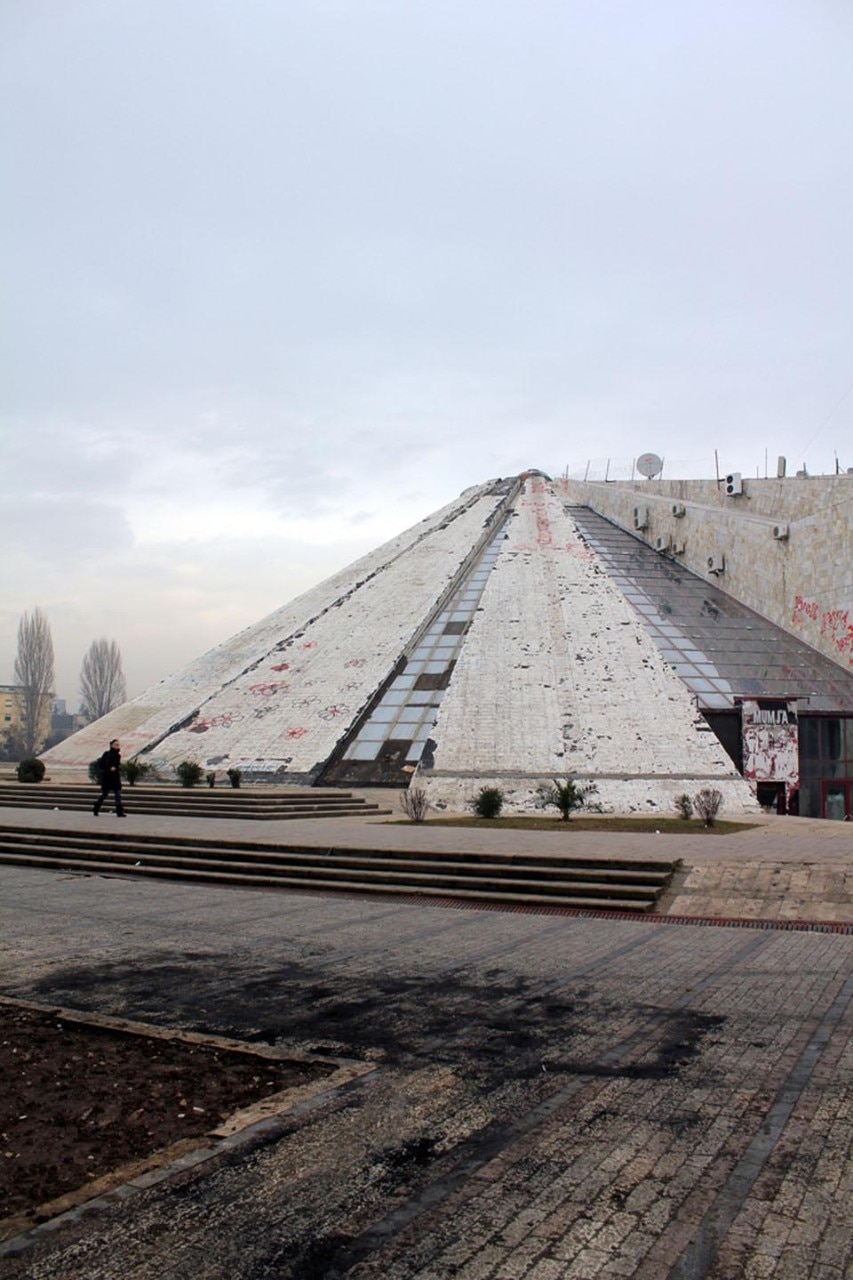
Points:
(837, 799)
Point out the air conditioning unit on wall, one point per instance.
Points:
(662, 543)
(781, 532)
(641, 517)
(679, 510)
(717, 562)
(734, 484)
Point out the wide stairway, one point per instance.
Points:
(196, 802)
(509, 880)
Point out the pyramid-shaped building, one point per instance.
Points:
(519, 634)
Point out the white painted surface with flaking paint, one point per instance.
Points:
(558, 676)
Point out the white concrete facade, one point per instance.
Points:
(557, 675)
(559, 678)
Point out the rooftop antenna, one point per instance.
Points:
(649, 465)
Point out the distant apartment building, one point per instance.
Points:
(64, 722)
(12, 710)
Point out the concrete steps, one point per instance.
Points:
(195, 802)
(605, 884)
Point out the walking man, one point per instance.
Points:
(110, 778)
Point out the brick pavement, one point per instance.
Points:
(555, 1097)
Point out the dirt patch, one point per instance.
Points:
(660, 826)
(80, 1101)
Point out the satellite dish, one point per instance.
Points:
(649, 465)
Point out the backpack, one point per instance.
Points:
(97, 769)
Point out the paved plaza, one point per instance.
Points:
(552, 1095)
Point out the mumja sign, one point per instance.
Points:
(771, 747)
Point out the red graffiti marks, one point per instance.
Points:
(272, 686)
(332, 713)
(804, 609)
(297, 732)
(579, 551)
(356, 662)
(309, 644)
(836, 624)
(281, 666)
(543, 527)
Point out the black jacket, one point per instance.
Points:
(111, 770)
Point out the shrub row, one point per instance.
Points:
(567, 796)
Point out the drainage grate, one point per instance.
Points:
(727, 922)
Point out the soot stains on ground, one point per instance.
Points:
(401, 1162)
(681, 1042)
(502, 1028)
(402, 1016)
(311, 1259)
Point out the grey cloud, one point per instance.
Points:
(60, 531)
(332, 258)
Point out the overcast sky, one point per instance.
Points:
(282, 277)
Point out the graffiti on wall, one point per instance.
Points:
(836, 626)
(335, 711)
(203, 723)
(804, 609)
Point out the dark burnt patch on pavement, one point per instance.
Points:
(502, 1026)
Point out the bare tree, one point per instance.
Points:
(102, 683)
(34, 673)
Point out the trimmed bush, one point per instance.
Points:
(30, 771)
(189, 773)
(684, 806)
(488, 802)
(133, 770)
(234, 777)
(565, 795)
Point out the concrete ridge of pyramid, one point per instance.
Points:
(556, 674)
(280, 693)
